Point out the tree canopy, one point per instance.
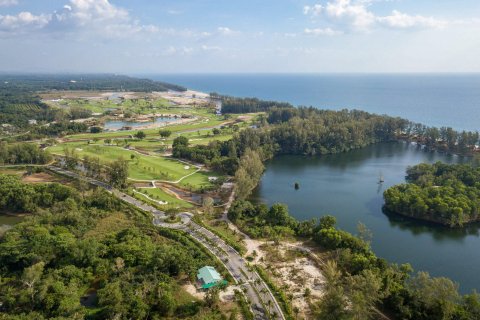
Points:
(442, 193)
(92, 256)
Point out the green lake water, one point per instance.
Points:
(346, 186)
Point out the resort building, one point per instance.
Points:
(209, 277)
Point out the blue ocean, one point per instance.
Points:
(433, 99)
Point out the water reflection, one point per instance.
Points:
(438, 232)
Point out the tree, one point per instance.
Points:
(364, 291)
(165, 133)
(111, 297)
(212, 297)
(166, 302)
(333, 305)
(140, 135)
(248, 174)
(31, 276)
(439, 295)
(364, 233)
(117, 173)
(327, 222)
(278, 216)
(216, 131)
(179, 142)
(71, 159)
(207, 205)
(95, 129)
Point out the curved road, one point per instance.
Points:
(263, 303)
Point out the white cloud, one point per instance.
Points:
(355, 15)
(22, 21)
(98, 17)
(82, 19)
(321, 32)
(405, 21)
(88, 12)
(314, 10)
(226, 31)
(7, 3)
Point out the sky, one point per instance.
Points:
(230, 36)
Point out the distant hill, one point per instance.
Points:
(103, 82)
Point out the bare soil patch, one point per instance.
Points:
(42, 177)
(191, 289)
(295, 271)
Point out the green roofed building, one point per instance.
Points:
(209, 277)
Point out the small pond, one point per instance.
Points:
(113, 125)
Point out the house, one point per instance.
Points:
(32, 121)
(209, 277)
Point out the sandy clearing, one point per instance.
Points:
(41, 177)
(228, 294)
(190, 288)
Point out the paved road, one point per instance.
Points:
(263, 303)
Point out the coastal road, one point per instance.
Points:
(263, 303)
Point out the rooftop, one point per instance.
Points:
(208, 275)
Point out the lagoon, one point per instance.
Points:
(347, 186)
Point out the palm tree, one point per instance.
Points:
(269, 304)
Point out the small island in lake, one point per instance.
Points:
(440, 193)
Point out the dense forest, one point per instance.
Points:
(18, 105)
(247, 105)
(295, 131)
(442, 193)
(101, 82)
(358, 283)
(58, 129)
(86, 255)
(312, 130)
(22, 153)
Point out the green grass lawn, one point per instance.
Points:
(199, 180)
(199, 124)
(207, 139)
(142, 167)
(139, 106)
(159, 194)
